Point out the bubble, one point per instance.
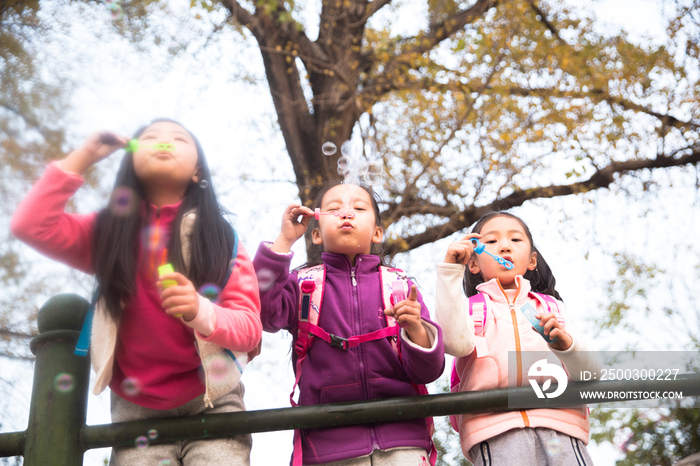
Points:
(343, 165)
(218, 366)
(64, 383)
(152, 434)
(154, 238)
(347, 149)
(203, 184)
(131, 386)
(114, 9)
(329, 148)
(372, 173)
(209, 291)
(266, 278)
(220, 370)
(141, 442)
(122, 203)
(164, 463)
(553, 447)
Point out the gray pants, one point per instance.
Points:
(233, 451)
(393, 457)
(531, 447)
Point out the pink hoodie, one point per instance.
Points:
(482, 362)
(156, 352)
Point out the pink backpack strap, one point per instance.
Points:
(391, 278)
(478, 312)
(551, 304)
(311, 286)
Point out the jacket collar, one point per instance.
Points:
(493, 289)
(166, 213)
(364, 263)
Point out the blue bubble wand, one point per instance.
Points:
(480, 247)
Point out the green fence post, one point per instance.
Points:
(59, 395)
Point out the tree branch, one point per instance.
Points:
(421, 44)
(598, 95)
(602, 178)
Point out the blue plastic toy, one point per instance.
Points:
(481, 247)
(530, 312)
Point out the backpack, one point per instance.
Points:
(478, 312)
(394, 286)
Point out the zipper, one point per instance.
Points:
(516, 335)
(360, 350)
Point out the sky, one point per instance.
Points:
(235, 121)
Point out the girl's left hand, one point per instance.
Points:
(181, 300)
(554, 329)
(407, 315)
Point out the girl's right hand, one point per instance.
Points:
(96, 147)
(292, 228)
(461, 250)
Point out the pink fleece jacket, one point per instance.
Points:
(156, 364)
(482, 360)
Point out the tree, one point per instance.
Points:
(31, 107)
(489, 104)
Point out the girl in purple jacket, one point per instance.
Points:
(347, 237)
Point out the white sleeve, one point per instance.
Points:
(578, 357)
(452, 310)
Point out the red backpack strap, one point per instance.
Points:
(551, 304)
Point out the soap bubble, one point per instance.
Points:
(553, 446)
(209, 291)
(122, 203)
(343, 165)
(141, 442)
(329, 148)
(152, 434)
(131, 386)
(347, 149)
(373, 173)
(220, 370)
(64, 383)
(218, 365)
(203, 184)
(266, 278)
(114, 9)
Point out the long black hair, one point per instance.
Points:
(541, 279)
(116, 239)
(313, 251)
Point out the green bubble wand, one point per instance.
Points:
(134, 145)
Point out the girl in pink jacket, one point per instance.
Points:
(498, 325)
(164, 351)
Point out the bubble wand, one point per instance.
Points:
(480, 247)
(134, 145)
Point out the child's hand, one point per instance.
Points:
(96, 147)
(292, 228)
(461, 250)
(554, 329)
(407, 315)
(181, 300)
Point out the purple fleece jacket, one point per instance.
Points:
(367, 372)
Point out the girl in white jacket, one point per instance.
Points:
(528, 437)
